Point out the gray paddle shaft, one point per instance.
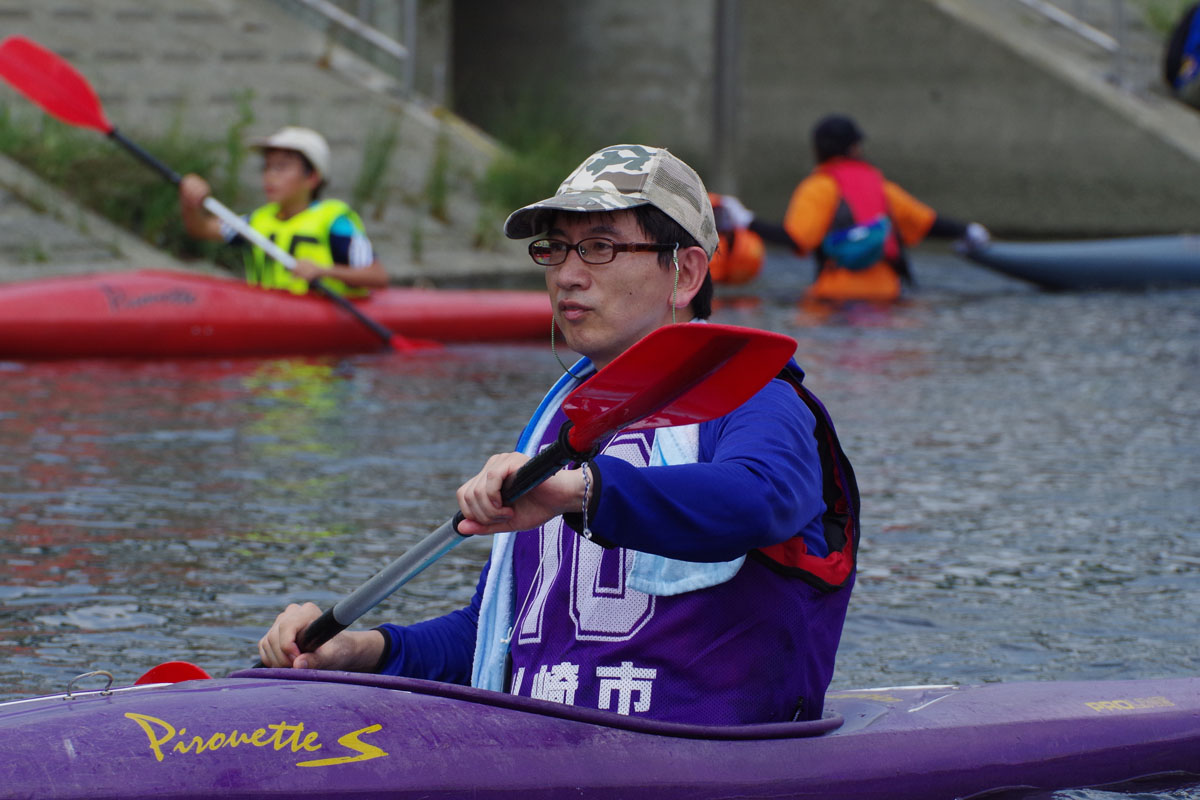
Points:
(335, 620)
(397, 573)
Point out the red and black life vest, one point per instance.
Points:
(862, 200)
(839, 489)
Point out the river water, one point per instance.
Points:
(1029, 465)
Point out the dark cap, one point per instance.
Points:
(834, 135)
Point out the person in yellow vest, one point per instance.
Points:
(326, 237)
(855, 222)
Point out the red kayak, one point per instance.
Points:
(160, 313)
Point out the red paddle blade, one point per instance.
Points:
(52, 83)
(676, 375)
(173, 672)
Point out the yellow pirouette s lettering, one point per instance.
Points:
(365, 751)
(279, 735)
(1130, 704)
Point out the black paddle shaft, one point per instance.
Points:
(144, 156)
(383, 333)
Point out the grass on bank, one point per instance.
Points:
(1161, 15)
(105, 179)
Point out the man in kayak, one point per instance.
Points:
(854, 221)
(325, 236)
(695, 574)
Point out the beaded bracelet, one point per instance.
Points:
(587, 499)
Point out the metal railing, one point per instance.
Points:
(357, 24)
(1114, 44)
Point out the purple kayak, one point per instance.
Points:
(292, 733)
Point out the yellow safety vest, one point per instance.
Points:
(306, 237)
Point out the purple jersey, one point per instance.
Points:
(757, 648)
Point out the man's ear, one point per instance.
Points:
(693, 266)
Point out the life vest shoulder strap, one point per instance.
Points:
(860, 185)
(840, 522)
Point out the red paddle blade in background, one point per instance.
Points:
(52, 83)
(692, 373)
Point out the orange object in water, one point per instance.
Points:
(877, 283)
(739, 256)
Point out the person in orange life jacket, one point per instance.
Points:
(695, 574)
(325, 236)
(855, 222)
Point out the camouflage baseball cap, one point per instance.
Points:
(625, 176)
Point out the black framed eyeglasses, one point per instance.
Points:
(595, 250)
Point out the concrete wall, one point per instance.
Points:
(957, 114)
(609, 71)
(980, 111)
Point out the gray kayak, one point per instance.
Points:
(1128, 263)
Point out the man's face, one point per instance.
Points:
(602, 309)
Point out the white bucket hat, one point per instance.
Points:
(304, 141)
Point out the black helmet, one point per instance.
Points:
(834, 135)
